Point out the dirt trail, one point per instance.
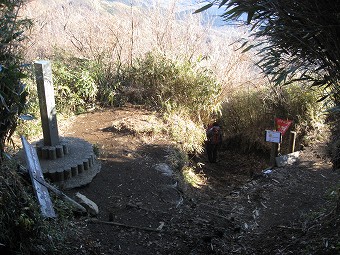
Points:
(233, 213)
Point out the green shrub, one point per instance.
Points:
(168, 85)
(74, 82)
(81, 83)
(12, 91)
(109, 77)
(76, 89)
(185, 93)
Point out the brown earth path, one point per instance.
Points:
(232, 213)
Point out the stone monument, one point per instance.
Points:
(48, 111)
(69, 161)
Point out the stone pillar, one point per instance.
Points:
(43, 73)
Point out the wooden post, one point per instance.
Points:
(34, 169)
(292, 138)
(274, 153)
(275, 149)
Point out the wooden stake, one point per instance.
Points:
(35, 172)
(123, 225)
(292, 138)
(274, 153)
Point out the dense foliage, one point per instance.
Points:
(169, 85)
(247, 114)
(188, 96)
(75, 83)
(153, 80)
(12, 91)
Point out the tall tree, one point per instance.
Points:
(298, 40)
(12, 93)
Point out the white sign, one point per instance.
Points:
(273, 136)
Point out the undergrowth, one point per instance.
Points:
(170, 85)
(23, 229)
(248, 113)
(75, 83)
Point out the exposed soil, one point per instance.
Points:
(146, 207)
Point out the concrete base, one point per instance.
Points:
(51, 152)
(76, 168)
(81, 179)
(287, 159)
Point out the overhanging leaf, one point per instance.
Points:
(248, 48)
(250, 15)
(203, 8)
(222, 3)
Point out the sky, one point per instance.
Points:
(190, 5)
(196, 4)
(184, 3)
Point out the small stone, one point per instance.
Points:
(89, 205)
(164, 168)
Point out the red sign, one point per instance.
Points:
(282, 125)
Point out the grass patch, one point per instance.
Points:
(196, 180)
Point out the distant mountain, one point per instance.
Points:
(210, 16)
